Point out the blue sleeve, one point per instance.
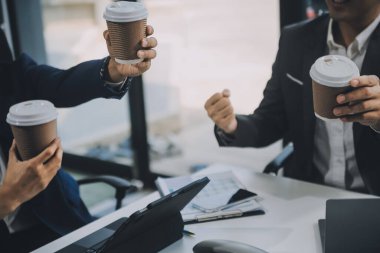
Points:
(64, 88)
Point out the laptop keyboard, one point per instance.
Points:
(95, 241)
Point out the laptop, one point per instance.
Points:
(160, 222)
(351, 226)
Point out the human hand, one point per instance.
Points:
(363, 102)
(25, 179)
(119, 72)
(220, 110)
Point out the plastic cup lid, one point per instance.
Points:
(124, 11)
(31, 113)
(334, 70)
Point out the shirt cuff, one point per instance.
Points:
(121, 87)
(377, 131)
(225, 137)
(115, 85)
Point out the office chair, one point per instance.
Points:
(121, 185)
(278, 162)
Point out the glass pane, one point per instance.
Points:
(74, 33)
(204, 47)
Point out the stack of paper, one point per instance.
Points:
(224, 197)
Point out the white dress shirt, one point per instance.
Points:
(334, 151)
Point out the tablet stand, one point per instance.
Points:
(158, 235)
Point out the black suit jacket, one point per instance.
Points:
(59, 206)
(286, 110)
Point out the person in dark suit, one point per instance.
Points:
(342, 153)
(39, 202)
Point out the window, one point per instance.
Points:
(204, 47)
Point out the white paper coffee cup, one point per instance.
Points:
(34, 126)
(126, 22)
(331, 75)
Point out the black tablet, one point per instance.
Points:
(147, 230)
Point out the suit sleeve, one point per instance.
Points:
(64, 88)
(268, 122)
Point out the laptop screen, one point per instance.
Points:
(352, 226)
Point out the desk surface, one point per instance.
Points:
(289, 225)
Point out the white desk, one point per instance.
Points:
(289, 225)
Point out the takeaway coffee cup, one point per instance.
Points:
(331, 75)
(126, 22)
(34, 126)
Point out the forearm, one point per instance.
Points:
(252, 131)
(7, 204)
(64, 88)
(113, 74)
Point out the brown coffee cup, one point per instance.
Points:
(331, 75)
(126, 22)
(34, 126)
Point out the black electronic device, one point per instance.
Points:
(147, 230)
(351, 226)
(225, 246)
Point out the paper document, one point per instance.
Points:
(224, 197)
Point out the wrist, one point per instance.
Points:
(231, 128)
(7, 203)
(113, 72)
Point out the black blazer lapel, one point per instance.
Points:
(371, 63)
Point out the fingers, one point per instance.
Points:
(226, 93)
(149, 42)
(212, 100)
(222, 114)
(45, 171)
(366, 87)
(370, 80)
(56, 161)
(147, 54)
(364, 118)
(360, 107)
(149, 30)
(219, 109)
(143, 66)
(48, 152)
(362, 103)
(358, 94)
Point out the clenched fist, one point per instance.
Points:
(220, 110)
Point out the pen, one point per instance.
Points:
(186, 232)
(219, 215)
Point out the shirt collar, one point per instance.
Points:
(360, 40)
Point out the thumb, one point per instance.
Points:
(226, 93)
(106, 36)
(12, 157)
